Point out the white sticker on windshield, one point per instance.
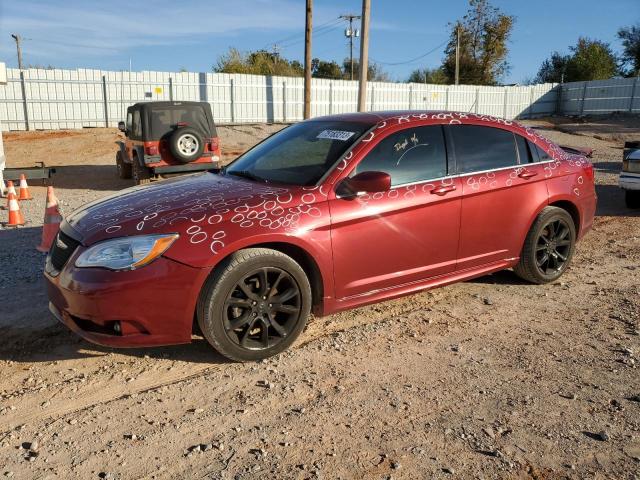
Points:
(336, 135)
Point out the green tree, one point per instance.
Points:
(259, 62)
(375, 72)
(484, 33)
(591, 60)
(630, 57)
(324, 69)
(553, 69)
(428, 75)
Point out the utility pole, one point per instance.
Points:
(364, 56)
(307, 60)
(18, 40)
(350, 33)
(457, 53)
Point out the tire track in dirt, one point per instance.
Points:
(106, 391)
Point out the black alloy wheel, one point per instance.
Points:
(553, 247)
(262, 309)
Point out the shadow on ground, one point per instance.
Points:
(94, 177)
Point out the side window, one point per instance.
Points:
(481, 148)
(136, 127)
(523, 150)
(410, 155)
(542, 155)
(129, 121)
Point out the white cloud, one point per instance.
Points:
(92, 28)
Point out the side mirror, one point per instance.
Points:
(369, 182)
(122, 127)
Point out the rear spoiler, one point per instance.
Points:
(587, 152)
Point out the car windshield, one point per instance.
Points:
(300, 154)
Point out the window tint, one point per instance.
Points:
(129, 120)
(410, 155)
(480, 148)
(523, 150)
(542, 155)
(136, 125)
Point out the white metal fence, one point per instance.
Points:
(600, 97)
(56, 99)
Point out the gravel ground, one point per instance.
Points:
(491, 378)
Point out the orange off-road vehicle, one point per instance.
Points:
(166, 138)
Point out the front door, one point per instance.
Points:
(406, 234)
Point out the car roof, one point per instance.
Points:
(164, 104)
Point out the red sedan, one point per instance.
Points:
(325, 215)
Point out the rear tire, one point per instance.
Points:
(124, 169)
(141, 175)
(548, 248)
(246, 318)
(632, 198)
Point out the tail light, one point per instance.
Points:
(588, 170)
(214, 145)
(151, 150)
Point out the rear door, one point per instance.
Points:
(406, 234)
(502, 189)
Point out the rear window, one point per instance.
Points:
(478, 148)
(164, 120)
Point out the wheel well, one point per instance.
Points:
(307, 263)
(571, 209)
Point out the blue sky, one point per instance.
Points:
(168, 35)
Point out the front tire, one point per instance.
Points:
(632, 198)
(548, 248)
(254, 305)
(124, 169)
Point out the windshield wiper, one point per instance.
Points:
(246, 174)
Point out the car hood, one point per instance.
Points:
(195, 206)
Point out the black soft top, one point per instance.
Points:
(160, 118)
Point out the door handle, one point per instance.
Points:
(443, 190)
(527, 174)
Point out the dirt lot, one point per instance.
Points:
(491, 378)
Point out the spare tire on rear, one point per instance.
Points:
(186, 144)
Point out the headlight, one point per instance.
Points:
(127, 253)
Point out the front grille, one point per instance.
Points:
(62, 248)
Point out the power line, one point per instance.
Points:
(296, 36)
(316, 33)
(413, 59)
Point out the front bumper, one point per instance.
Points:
(154, 305)
(629, 181)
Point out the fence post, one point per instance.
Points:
(284, 101)
(477, 100)
(446, 99)
(584, 96)
(531, 101)
(106, 102)
(410, 97)
(504, 106)
(170, 89)
(633, 94)
(330, 97)
(24, 100)
(231, 96)
(373, 92)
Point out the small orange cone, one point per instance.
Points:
(52, 219)
(15, 216)
(10, 189)
(24, 189)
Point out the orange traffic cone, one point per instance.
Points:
(15, 216)
(10, 189)
(52, 219)
(24, 189)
